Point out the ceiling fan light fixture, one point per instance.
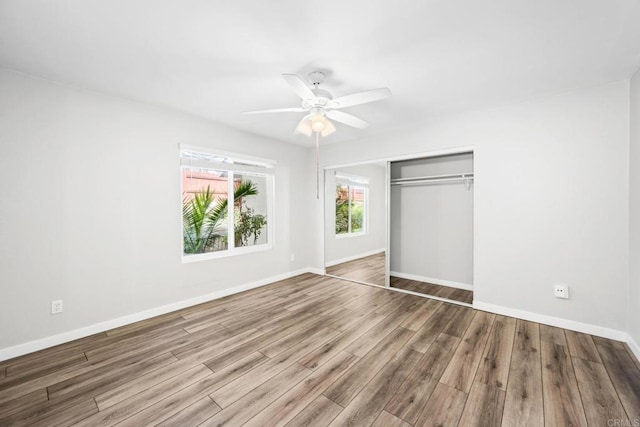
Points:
(328, 129)
(318, 122)
(304, 127)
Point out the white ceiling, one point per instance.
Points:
(217, 58)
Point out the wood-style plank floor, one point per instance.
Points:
(447, 292)
(312, 350)
(369, 269)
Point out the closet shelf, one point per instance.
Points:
(462, 177)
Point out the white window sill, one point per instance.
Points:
(186, 259)
(347, 235)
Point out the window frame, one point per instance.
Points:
(233, 164)
(353, 181)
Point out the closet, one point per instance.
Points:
(431, 226)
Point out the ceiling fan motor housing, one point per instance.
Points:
(322, 98)
(317, 77)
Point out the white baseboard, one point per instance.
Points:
(559, 322)
(31, 346)
(441, 282)
(353, 257)
(448, 301)
(635, 349)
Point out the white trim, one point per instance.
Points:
(418, 294)
(353, 257)
(231, 214)
(440, 282)
(267, 163)
(633, 346)
(40, 344)
(349, 179)
(559, 322)
(410, 156)
(235, 251)
(348, 235)
(387, 225)
(403, 291)
(360, 282)
(223, 167)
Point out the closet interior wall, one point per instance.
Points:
(431, 224)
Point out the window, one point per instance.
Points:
(227, 202)
(351, 205)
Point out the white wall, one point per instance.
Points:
(91, 213)
(432, 225)
(634, 213)
(91, 204)
(338, 248)
(551, 198)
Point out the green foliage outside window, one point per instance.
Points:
(347, 203)
(342, 209)
(204, 220)
(247, 225)
(357, 217)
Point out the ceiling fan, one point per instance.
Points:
(321, 106)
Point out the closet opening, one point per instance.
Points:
(431, 226)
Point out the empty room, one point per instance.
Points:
(291, 213)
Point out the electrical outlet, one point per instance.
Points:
(561, 291)
(56, 306)
(293, 257)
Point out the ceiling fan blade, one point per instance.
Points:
(277, 110)
(360, 98)
(299, 86)
(347, 119)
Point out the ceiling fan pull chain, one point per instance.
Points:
(317, 165)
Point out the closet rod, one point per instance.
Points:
(433, 179)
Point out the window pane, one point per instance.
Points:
(342, 209)
(204, 210)
(250, 210)
(357, 209)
